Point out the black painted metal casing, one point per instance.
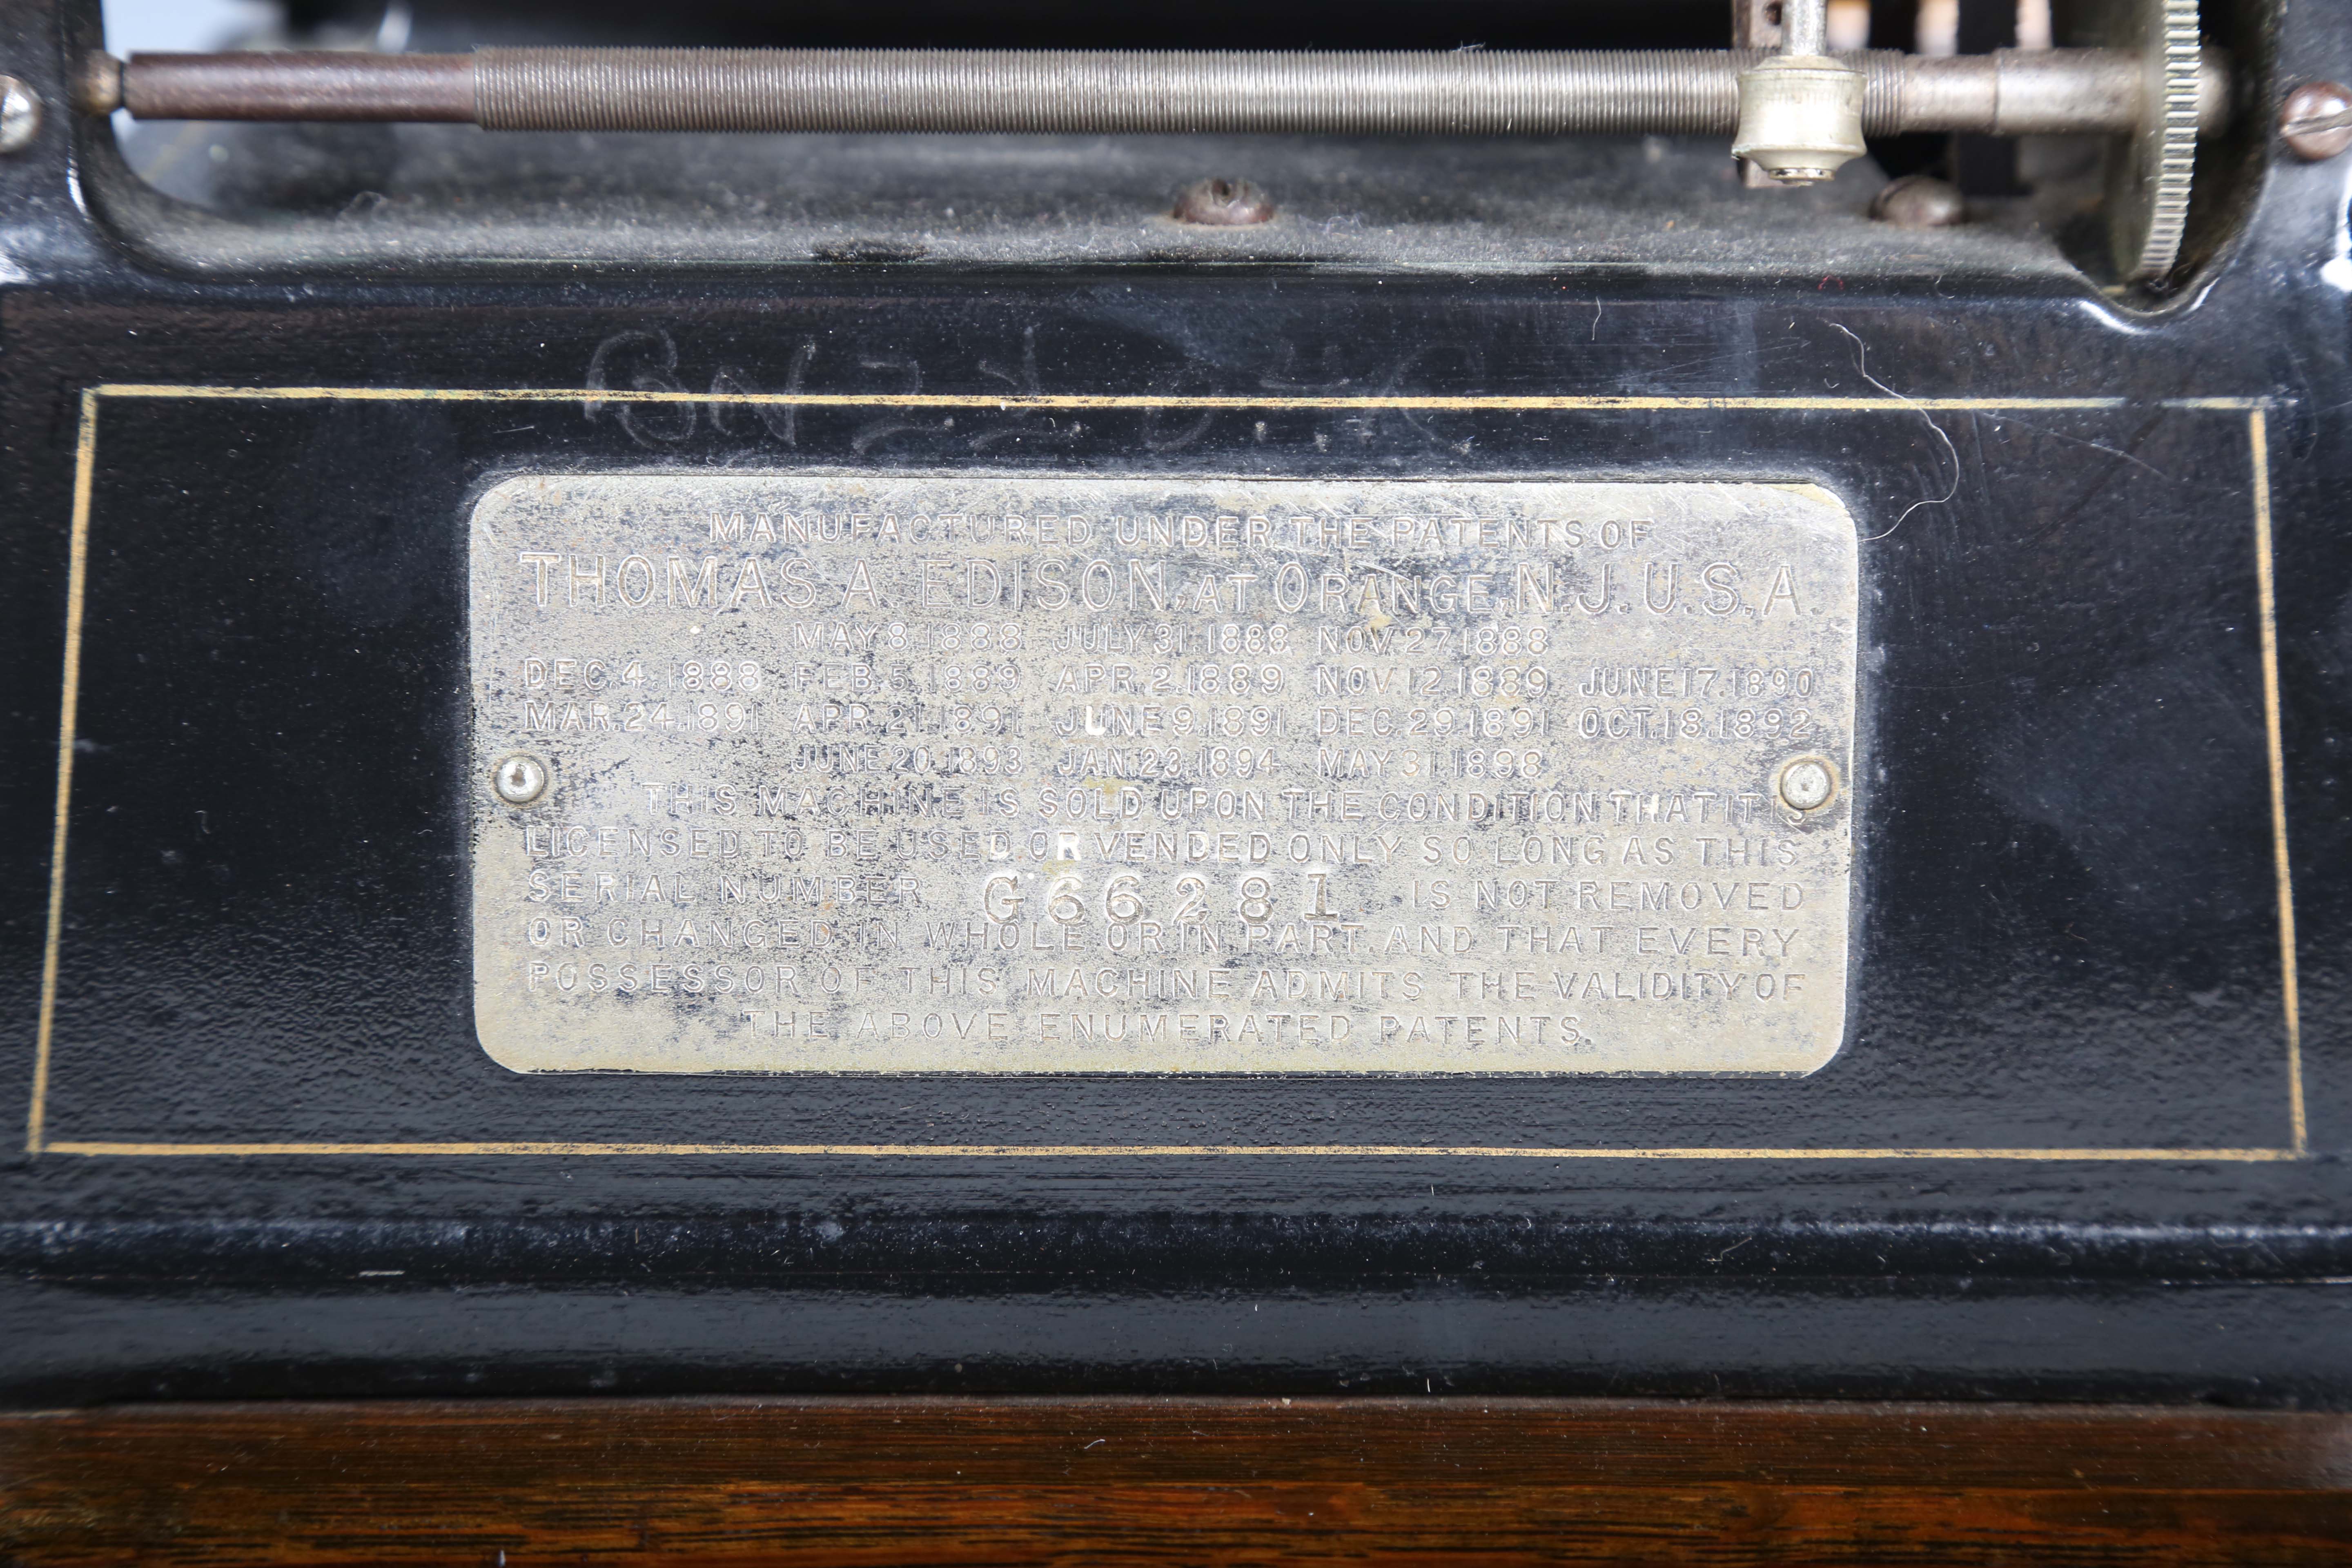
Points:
(2085, 1135)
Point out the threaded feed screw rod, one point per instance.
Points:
(1101, 92)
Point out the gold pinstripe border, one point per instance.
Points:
(1177, 1151)
(1598, 400)
(37, 1140)
(68, 705)
(2258, 439)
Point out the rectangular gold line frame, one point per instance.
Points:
(2255, 409)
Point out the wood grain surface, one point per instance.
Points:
(956, 1481)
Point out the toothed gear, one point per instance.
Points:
(2170, 145)
(2148, 190)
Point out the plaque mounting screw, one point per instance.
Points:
(1806, 783)
(519, 780)
(20, 115)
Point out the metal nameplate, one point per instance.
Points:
(1023, 774)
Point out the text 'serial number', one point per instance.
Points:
(1122, 900)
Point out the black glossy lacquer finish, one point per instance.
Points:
(2069, 946)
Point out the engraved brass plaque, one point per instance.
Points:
(1049, 774)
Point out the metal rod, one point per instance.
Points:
(1486, 92)
(253, 85)
(1804, 26)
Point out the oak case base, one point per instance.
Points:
(1078, 1480)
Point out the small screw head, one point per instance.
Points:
(2316, 121)
(519, 780)
(1806, 783)
(1919, 201)
(20, 115)
(1223, 204)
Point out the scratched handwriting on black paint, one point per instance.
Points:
(739, 405)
